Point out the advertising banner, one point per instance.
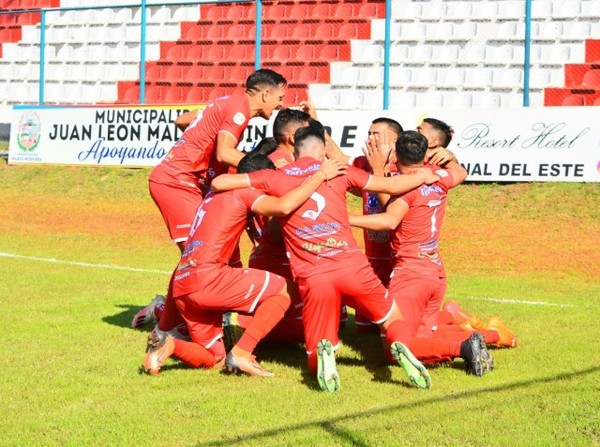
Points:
(528, 144)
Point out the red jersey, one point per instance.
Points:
(191, 160)
(281, 154)
(267, 231)
(377, 243)
(317, 235)
(216, 230)
(415, 242)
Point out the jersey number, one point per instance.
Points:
(320, 201)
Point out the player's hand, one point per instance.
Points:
(440, 156)
(333, 168)
(427, 174)
(308, 106)
(378, 150)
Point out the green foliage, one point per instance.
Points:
(69, 364)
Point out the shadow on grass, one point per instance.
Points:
(123, 318)
(329, 425)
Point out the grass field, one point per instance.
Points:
(82, 249)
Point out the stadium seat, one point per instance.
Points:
(445, 54)
(214, 74)
(351, 99)
(306, 53)
(195, 95)
(329, 53)
(194, 54)
(275, 11)
(301, 31)
(153, 95)
(478, 79)
(173, 95)
(591, 79)
(423, 77)
(344, 11)
(239, 54)
(325, 31)
(399, 54)
(511, 78)
(574, 100)
(370, 77)
(193, 75)
(566, 9)
(215, 53)
(433, 11)
(299, 11)
(372, 54)
(371, 10)
(403, 100)
(452, 78)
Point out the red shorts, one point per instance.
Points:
(178, 205)
(280, 267)
(383, 269)
(220, 290)
(419, 298)
(357, 286)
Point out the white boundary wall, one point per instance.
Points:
(529, 144)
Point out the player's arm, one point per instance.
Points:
(284, 205)
(226, 150)
(389, 220)
(459, 174)
(378, 153)
(399, 184)
(226, 182)
(440, 156)
(185, 119)
(332, 150)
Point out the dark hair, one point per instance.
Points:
(284, 118)
(264, 78)
(265, 146)
(444, 130)
(254, 161)
(313, 130)
(392, 124)
(411, 147)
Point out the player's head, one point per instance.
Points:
(438, 133)
(310, 141)
(286, 123)
(267, 88)
(380, 125)
(254, 161)
(265, 146)
(411, 148)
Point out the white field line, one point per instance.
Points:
(82, 264)
(133, 269)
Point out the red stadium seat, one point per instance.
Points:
(132, 95)
(175, 53)
(153, 73)
(216, 92)
(325, 31)
(279, 32)
(308, 75)
(214, 74)
(239, 54)
(306, 53)
(172, 74)
(195, 54)
(216, 53)
(299, 11)
(275, 12)
(574, 100)
(195, 95)
(194, 33)
(344, 11)
(215, 32)
(329, 53)
(349, 31)
(301, 31)
(321, 11)
(591, 79)
(597, 101)
(194, 74)
(238, 75)
(215, 13)
(173, 95)
(371, 10)
(282, 54)
(154, 95)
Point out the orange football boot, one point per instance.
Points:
(507, 338)
(462, 317)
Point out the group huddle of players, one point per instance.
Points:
(289, 194)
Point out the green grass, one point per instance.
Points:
(69, 365)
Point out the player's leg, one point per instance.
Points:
(320, 315)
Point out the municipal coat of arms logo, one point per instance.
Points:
(28, 132)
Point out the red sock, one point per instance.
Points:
(267, 315)
(170, 317)
(193, 354)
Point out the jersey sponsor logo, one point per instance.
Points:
(373, 201)
(442, 172)
(425, 190)
(239, 118)
(318, 230)
(295, 170)
(325, 246)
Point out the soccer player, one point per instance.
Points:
(418, 281)
(205, 286)
(328, 265)
(205, 149)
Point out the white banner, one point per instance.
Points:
(532, 144)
